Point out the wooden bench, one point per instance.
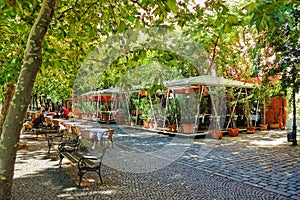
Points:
(46, 129)
(85, 163)
(56, 138)
(64, 138)
(62, 135)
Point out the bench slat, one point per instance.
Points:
(74, 157)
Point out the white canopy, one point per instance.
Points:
(105, 92)
(207, 80)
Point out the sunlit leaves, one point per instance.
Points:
(270, 14)
(78, 26)
(172, 5)
(250, 7)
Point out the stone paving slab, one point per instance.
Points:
(146, 165)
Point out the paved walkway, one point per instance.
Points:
(146, 165)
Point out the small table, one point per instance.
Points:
(97, 131)
(71, 123)
(61, 120)
(84, 126)
(96, 134)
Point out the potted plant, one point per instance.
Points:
(233, 131)
(264, 94)
(247, 114)
(146, 111)
(133, 120)
(215, 132)
(173, 114)
(275, 123)
(263, 125)
(217, 96)
(188, 108)
(104, 115)
(261, 95)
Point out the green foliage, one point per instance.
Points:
(173, 112)
(145, 109)
(188, 103)
(268, 14)
(16, 20)
(78, 26)
(278, 46)
(221, 31)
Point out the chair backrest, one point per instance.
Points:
(75, 130)
(111, 133)
(55, 123)
(48, 121)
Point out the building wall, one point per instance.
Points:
(275, 110)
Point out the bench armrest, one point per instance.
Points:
(87, 161)
(63, 147)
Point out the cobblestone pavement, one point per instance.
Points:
(147, 165)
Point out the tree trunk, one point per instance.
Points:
(10, 136)
(8, 97)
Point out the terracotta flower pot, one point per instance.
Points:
(275, 125)
(172, 128)
(186, 128)
(250, 130)
(104, 117)
(233, 132)
(263, 126)
(146, 123)
(216, 134)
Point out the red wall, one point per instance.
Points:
(274, 111)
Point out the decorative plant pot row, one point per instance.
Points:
(189, 128)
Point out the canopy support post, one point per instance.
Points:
(198, 109)
(153, 114)
(233, 110)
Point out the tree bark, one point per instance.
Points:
(12, 125)
(8, 97)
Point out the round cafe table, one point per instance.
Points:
(96, 134)
(83, 126)
(71, 123)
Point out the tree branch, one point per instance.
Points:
(140, 5)
(69, 9)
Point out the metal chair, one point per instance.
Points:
(108, 136)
